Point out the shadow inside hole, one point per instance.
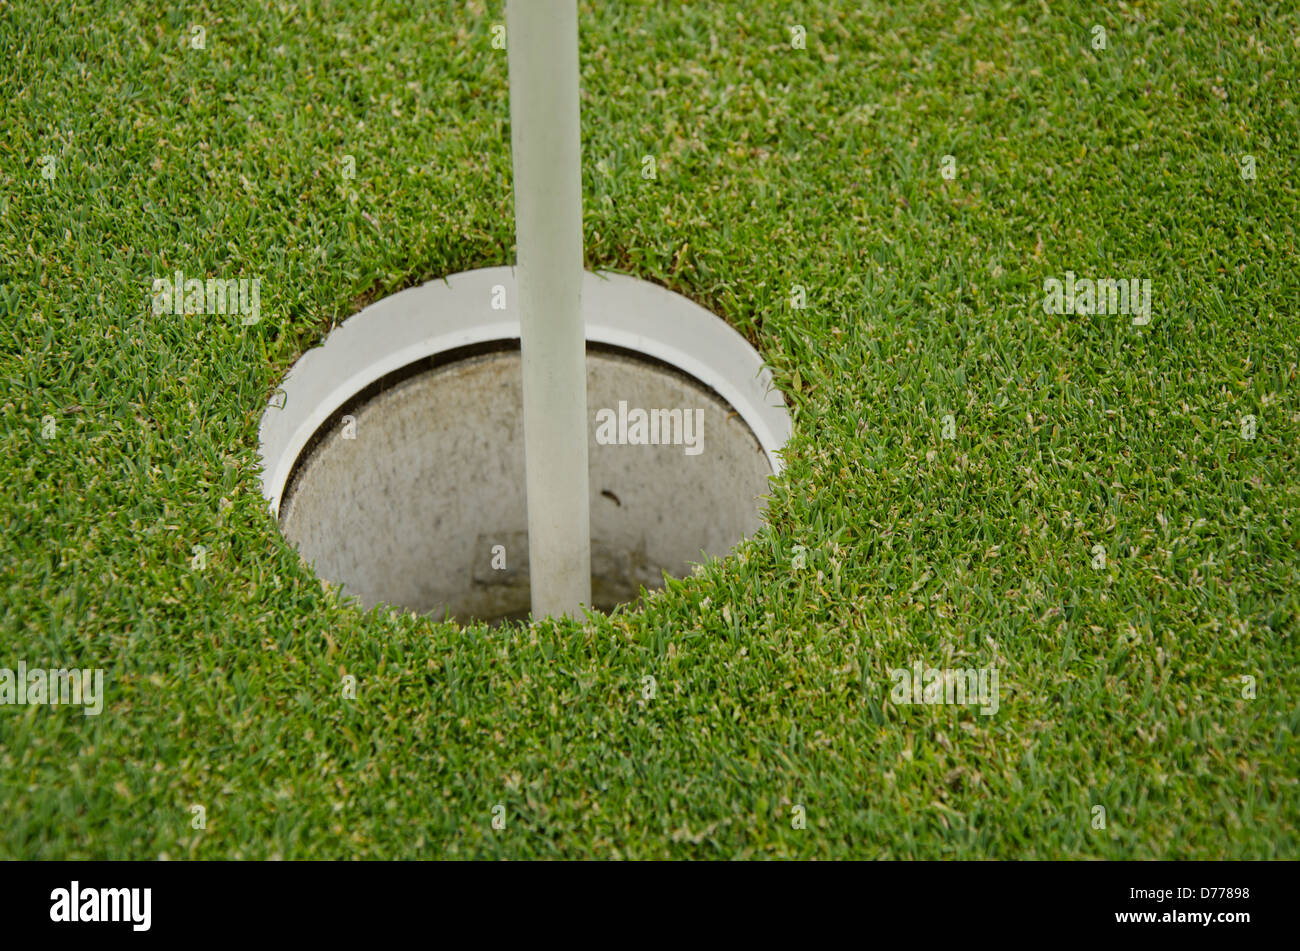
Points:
(412, 494)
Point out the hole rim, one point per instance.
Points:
(455, 313)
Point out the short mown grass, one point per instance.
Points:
(1123, 687)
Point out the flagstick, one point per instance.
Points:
(542, 45)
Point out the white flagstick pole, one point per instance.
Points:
(542, 50)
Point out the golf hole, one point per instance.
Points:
(402, 480)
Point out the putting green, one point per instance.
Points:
(1106, 511)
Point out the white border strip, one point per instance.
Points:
(442, 315)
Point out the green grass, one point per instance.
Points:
(1121, 687)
